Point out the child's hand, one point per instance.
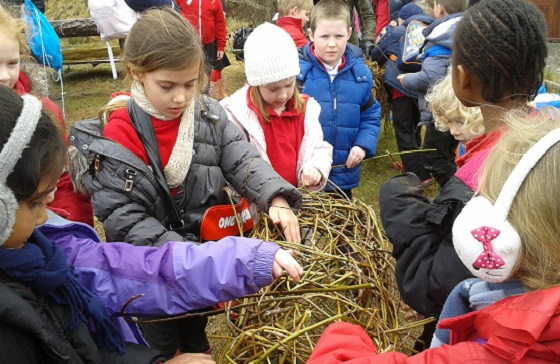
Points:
(284, 261)
(281, 214)
(356, 155)
(310, 176)
(410, 314)
(192, 359)
(401, 79)
(219, 55)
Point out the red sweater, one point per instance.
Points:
(294, 27)
(283, 136)
(208, 20)
(120, 129)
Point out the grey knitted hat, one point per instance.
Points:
(270, 55)
(11, 153)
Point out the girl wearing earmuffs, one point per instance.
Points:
(507, 237)
(496, 78)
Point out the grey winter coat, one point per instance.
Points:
(439, 33)
(123, 188)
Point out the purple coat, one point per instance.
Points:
(174, 278)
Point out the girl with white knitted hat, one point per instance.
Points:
(279, 121)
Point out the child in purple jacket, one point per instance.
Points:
(59, 285)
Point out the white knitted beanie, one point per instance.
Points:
(270, 55)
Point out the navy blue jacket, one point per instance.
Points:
(389, 45)
(349, 112)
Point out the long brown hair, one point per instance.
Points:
(161, 39)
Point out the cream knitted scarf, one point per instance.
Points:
(179, 163)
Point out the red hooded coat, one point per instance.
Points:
(518, 329)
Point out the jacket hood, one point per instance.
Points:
(424, 18)
(515, 328)
(36, 75)
(87, 141)
(441, 31)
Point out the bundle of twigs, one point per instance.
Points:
(379, 90)
(349, 276)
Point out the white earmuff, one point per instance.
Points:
(484, 239)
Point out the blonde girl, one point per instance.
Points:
(19, 72)
(200, 151)
(272, 114)
(464, 123)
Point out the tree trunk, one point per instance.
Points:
(68, 28)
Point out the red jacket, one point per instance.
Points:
(382, 15)
(518, 329)
(294, 27)
(23, 87)
(207, 18)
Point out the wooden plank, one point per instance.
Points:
(69, 55)
(551, 11)
(93, 62)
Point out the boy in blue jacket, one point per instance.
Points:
(437, 52)
(334, 73)
(406, 115)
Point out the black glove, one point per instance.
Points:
(367, 47)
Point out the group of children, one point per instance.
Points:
(408, 88)
(265, 141)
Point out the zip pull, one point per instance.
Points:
(335, 102)
(97, 163)
(129, 182)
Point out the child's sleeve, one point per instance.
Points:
(427, 267)
(432, 70)
(368, 134)
(174, 278)
(321, 153)
(342, 342)
(220, 26)
(379, 53)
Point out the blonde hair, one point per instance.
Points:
(14, 27)
(535, 211)
(446, 108)
(330, 10)
(160, 39)
(285, 6)
(260, 104)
